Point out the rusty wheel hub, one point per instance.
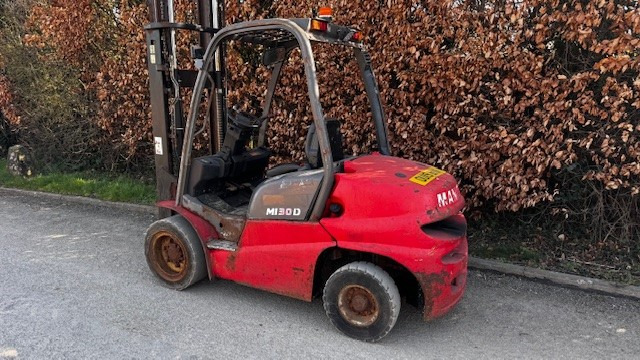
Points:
(358, 305)
(169, 256)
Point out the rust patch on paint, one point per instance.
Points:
(228, 226)
(431, 285)
(231, 261)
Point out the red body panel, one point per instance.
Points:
(383, 212)
(277, 256)
(377, 186)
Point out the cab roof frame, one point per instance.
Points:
(289, 33)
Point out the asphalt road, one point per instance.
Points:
(74, 284)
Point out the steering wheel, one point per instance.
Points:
(245, 120)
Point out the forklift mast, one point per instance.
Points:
(166, 80)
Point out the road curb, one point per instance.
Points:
(81, 200)
(561, 279)
(564, 280)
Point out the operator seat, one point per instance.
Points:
(312, 146)
(312, 150)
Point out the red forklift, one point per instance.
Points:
(363, 232)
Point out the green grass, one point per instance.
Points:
(105, 187)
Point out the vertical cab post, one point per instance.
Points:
(371, 88)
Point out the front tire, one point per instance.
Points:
(362, 301)
(174, 252)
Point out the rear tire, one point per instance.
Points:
(174, 252)
(362, 301)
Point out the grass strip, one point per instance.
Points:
(104, 187)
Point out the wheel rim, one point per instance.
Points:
(169, 256)
(358, 306)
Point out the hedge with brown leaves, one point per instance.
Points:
(511, 97)
(504, 95)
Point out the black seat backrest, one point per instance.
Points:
(312, 147)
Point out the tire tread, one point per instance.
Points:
(183, 229)
(383, 279)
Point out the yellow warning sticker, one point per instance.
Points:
(426, 176)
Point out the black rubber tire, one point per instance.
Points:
(180, 229)
(376, 281)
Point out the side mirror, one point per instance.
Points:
(273, 55)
